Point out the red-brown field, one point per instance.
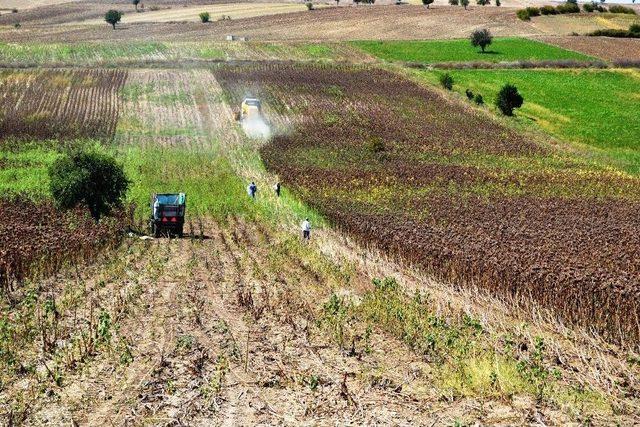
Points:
(59, 104)
(455, 192)
(36, 239)
(608, 48)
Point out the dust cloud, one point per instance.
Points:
(256, 128)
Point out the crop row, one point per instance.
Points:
(37, 239)
(60, 104)
(392, 163)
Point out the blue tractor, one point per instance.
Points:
(167, 217)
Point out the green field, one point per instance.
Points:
(594, 107)
(460, 50)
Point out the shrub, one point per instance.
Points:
(469, 94)
(533, 11)
(135, 3)
(478, 99)
(574, 1)
(376, 145)
(14, 10)
(498, 3)
(17, 25)
(482, 38)
(523, 15)
(446, 80)
(427, 3)
(588, 7)
(454, 2)
(204, 17)
(464, 3)
(113, 17)
(615, 33)
(309, 5)
(568, 8)
(88, 178)
(508, 99)
(548, 10)
(634, 28)
(616, 8)
(483, 2)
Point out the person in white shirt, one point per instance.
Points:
(306, 229)
(156, 207)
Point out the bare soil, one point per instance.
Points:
(607, 48)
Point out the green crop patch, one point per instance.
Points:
(593, 107)
(461, 50)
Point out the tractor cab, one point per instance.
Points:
(167, 214)
(251, 108)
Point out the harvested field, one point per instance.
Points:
(348, 23)
(36, 239)
(61, 13)
(607, 48)
(472, 202)
(61, 104)
(217, 11)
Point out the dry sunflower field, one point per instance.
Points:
(465, 268)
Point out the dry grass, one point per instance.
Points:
(217, 11)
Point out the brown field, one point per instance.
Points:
(608, 48)
(362, 22)
(37, 239)
(60, 13)
(56, 104)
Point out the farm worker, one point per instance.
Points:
(276, 188)
(252, 189)
(156, 208)
(306, 229)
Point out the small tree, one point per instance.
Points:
(498, 3)
(309, 5)
(478, 99)
(482, 38)
(446, 80)
(508, 99)
(454, 2)
(135, 3)
(464, 3)
(483, 2)
(204, 17)
(427, 3)
(469, 94)
(88, 178)
(113, 17)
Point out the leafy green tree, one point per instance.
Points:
(509, 99)
(135, 3)
(482, 38)
(454, 2)
(464, 3)
(113, 17)
(427, 3)
(204, 17)
(483, 2)
(88, 178)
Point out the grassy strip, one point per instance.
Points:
(430, 51)
(592, 107)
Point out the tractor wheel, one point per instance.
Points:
(181, 231)
(155, 230)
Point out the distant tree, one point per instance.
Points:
(113, 17)
(337, 2)
(204, 17)
(135, 3)
(572, 1)
(469, 94)
(478, 99)
(454, 2)
(483, 2)
(427, 3)
(498, 3)
(508, 99)
(88, 178)
(634, 28)
(309, 5)
(464, 3)
(446, 80)
(482, 38)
